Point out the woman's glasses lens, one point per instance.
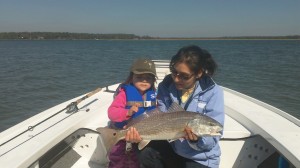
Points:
(181, 76)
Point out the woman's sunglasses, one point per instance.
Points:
(181, 76)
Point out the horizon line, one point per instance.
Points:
(244, 36)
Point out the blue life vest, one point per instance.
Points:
(147, 102)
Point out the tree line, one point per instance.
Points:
(292, 37)
(89, 36)
(66, 36)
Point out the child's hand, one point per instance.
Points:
(133, 109)
(133, 136)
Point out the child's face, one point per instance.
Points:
(143, 82)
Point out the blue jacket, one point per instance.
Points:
(207, 99)
(148, 102)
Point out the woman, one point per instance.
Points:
(190, 85)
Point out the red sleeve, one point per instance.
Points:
(117, 111)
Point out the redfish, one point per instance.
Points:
(157, 125)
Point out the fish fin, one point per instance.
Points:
(175, 107)
(142, 116)
(143, 143)
(171, 140)
(154, 111)
(109, 137)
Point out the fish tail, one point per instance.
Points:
(109, 137)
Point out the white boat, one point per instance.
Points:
(255, 133)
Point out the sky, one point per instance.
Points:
(156, 18)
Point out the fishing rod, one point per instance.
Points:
(71, 108)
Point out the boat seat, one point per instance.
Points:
(90, 150)
(234, 130)
(84, 162)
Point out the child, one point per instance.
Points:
(135, 96)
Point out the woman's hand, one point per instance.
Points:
(133, 136)
(189, 134)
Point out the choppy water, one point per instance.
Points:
(36, 75)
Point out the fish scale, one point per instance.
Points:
(162, 126)
(157, 125)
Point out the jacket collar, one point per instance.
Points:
(206, 83)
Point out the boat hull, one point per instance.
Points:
(255, 133)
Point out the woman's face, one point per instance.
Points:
(183, 77)
(143, 82)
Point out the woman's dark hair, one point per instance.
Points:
(196, 59)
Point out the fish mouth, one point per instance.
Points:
(217, 131)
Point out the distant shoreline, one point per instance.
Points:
(221, 39)
(158, 39)
(120, 36)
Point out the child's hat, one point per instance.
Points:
(142, 66)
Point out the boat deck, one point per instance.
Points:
(279, 128)
(253, 132)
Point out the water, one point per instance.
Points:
(36, 75)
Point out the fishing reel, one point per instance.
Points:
(72, 108)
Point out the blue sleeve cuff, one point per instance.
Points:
(204, 143)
